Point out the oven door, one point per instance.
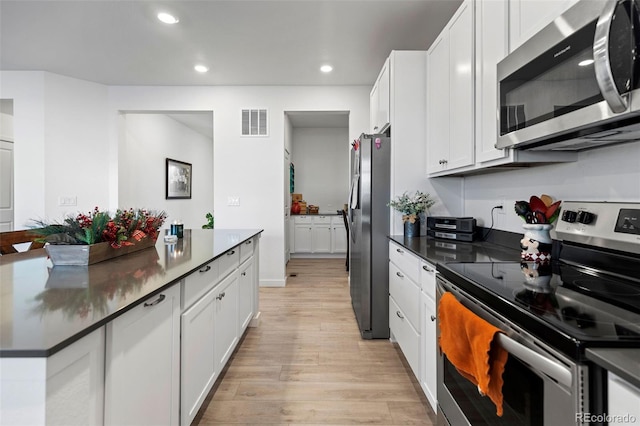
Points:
(572, 78)
(539, 388)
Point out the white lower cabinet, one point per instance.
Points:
(199, 369)
(246, 285)
(623, 401)
(143, 363)
(412, 315)
(66, 388)
(319, 234)
(428, 350)
(226, 318)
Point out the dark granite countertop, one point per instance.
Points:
(442, 251)
(45, 308)
(624, 363)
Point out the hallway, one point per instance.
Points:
(306, 363)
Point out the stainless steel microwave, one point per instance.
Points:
(576, 84)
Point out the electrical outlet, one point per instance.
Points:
(501, 203)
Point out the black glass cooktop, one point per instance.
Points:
(569, 307)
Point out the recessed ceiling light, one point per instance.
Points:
(167, 18)
(326, 68)
(585, 62)
(201, 68)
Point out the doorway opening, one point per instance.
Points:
(317, 150)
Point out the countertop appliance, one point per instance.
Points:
(550, 314)
(369, 227)
(452, 228)
(553, 96)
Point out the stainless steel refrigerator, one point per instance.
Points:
(369, 228)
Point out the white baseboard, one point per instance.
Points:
(273, 283)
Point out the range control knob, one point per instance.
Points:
(585, 217)
(569, 216)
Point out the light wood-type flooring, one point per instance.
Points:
(306, 363)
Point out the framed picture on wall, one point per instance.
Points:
(179, 176)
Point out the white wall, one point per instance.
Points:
(321, 160)
(611, 173)
(150, 139)
(60, 144)
(250, 168)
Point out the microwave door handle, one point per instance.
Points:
(602, 63)
(552, 368)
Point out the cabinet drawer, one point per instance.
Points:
(199, 283)
(406, 261)
(405, 335)
(406, 294)
(246, 250)
(428, 279)
(302, 219)
(322, 219)
(229, 261)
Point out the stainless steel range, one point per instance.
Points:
(550, 313)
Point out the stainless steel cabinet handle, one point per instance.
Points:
(433, 318)
(248, 242)
(602, 64)
(399, 251)
(244, 274)
(220, 296)
(426, 268)
(205, 269)
(231, 253)
(399, 274)
(155, 302)
(399, 315)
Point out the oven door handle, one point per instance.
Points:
(554, 369)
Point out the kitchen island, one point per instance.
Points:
(73, 338)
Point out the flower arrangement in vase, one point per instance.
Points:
(539, 214)
(97, 235)
(411, 207)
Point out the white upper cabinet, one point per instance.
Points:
(379, 101)
(527, 17)
(450, 85)
(462, 91)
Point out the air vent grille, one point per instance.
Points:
(255, 122)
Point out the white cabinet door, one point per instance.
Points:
(450, 75)
(491, 48)
(338, 238)
(226, 318)
(428, 349)
(383, 97)
(379, 100)
(461, 71)
(198, 362)
(245, 295)
(624, 400)
(438, 104)
(321, 238)
(302, 238)
(143, 363)
(527, 17)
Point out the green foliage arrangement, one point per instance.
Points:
(209, 224)
(412, 205)
(122, 229)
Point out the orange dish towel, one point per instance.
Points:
(466, 340)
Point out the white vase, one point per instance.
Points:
(536, 242)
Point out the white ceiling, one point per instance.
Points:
(243, 42)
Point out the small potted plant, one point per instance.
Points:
(411, 207)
